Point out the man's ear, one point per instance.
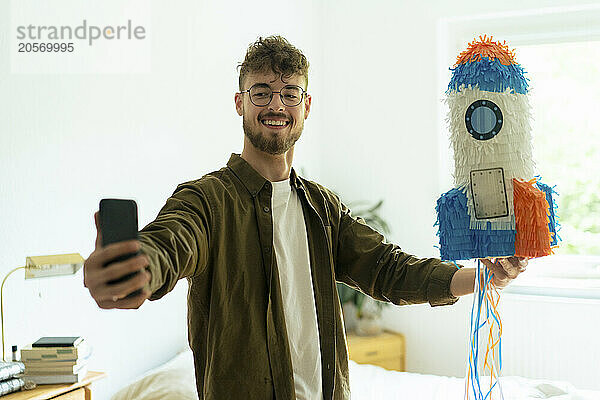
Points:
(307, 103)
(239, 103)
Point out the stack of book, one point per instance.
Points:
(9, 380)
(52, 360)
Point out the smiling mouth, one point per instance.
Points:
(274, 124)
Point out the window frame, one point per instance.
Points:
(520, 28)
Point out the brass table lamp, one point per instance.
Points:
(42, 267)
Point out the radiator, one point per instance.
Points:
(551, 338)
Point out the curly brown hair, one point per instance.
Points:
(276, 54)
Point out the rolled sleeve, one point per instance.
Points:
(156, 275)
(438, 291)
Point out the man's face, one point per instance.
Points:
(272, 137)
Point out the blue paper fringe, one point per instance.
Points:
(489, 75)
(553, 225)
(458, 241)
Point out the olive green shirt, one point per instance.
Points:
(217, 232)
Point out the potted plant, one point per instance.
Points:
(362, 314)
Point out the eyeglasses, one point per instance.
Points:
(261, 95)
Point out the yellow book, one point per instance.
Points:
(82, 350)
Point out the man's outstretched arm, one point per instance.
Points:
(383, 271)
(366, 261)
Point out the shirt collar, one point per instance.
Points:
(251, 179)
(295, 180)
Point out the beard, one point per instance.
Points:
(275, 145)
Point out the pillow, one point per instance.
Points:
(174, 380)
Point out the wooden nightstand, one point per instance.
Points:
(66, 391)
(386, 350)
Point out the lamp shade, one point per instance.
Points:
(54, 265)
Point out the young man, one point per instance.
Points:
(262, 249)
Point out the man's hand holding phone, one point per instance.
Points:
(97, 274)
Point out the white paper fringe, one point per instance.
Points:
(510, 149)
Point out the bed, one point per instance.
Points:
(175, 380)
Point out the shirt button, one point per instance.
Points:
(266, 209)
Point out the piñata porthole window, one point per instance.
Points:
(483, 119)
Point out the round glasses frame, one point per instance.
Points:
(304, 92)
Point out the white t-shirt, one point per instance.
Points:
(291, 251)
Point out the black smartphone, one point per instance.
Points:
(119, 222)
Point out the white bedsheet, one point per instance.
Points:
(175, 380)
(371, 382)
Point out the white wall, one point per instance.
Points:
(68, 140)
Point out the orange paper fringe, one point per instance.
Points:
(487, 48)
(531, 216)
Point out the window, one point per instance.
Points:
(565, 99)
